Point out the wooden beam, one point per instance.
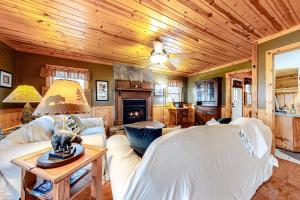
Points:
(254, 79)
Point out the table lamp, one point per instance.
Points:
(63, 97)
(24, 94)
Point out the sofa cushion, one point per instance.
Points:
(40, 129)
(93, 130)
(88, 122)
(141, 138)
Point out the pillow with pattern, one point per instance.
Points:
(72, 125)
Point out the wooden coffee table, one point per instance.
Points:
(60, 176)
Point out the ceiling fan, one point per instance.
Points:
(159, 56)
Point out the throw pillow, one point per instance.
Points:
(224, 120)
(140, 138)
(212, 122)
(72, 125)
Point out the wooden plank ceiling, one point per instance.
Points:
(199, 34)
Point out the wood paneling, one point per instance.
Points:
(197, 34)
(10, 117)
(161, 114)
(105, 112)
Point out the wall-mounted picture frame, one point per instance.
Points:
(158, 90)
(101, 90)
(6, 79)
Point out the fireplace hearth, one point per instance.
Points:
(134, 110)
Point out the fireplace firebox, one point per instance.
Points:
(134, 110)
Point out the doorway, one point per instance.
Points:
(236, 99)
(238, 94)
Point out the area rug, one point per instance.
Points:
(292, 154)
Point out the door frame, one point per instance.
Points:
(228, 88)
(270, 85)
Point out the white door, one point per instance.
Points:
(236, 99)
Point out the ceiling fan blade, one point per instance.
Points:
(169, 65)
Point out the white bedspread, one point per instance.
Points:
(203, 162)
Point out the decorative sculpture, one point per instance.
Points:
(62, 145)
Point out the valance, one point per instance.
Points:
(65, 72)
(175, 83)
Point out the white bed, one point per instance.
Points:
(203, 162)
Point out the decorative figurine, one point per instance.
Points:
(62, 145)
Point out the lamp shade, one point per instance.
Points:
(63, 97)
(23, 94)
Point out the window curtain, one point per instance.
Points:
(65, 72)
(175, 83)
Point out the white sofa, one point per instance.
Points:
(33, 137)
(202, 162)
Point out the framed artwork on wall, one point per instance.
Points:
(101, 90)
(158, 90)
(6, 79)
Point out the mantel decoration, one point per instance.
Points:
(63, 97)
(24, 94)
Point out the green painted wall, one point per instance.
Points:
(213, 74)
(262, 49)
(29, 68)
(7, 63)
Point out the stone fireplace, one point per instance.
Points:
(133, 101)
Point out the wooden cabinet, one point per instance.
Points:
(208, 100)
(206, 113)
(287, 132)
(209, 92)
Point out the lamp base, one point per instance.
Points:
(27, 114)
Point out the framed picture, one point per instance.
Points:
(6, 79)
(101, 90)
(158, 90)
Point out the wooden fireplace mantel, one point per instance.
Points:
(126, 89)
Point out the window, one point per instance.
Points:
(174, 94)
(174, 91)
(80, 81)
(80, 75)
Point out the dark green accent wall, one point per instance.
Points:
(29, 68)
(162, 79)
(213, 74)
(262, 49)
(7, 63)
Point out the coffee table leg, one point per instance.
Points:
(96, 186)
(61, 190)
(28, 181)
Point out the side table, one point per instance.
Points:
(60, 176)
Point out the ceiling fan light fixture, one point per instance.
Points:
(158, 58)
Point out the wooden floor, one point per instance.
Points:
(284, 185)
